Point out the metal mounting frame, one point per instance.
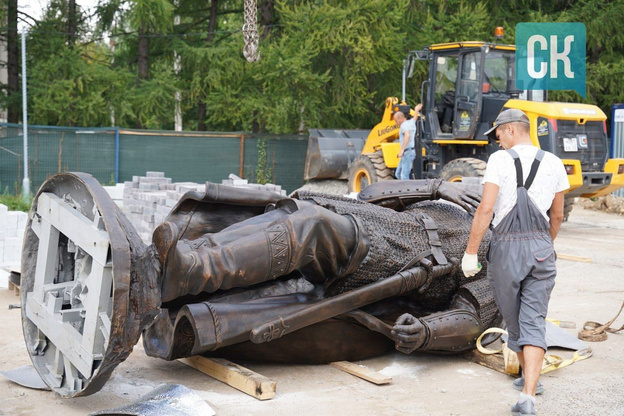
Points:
(84, 304)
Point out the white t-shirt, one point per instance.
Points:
(551, 178)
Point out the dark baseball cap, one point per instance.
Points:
(511, 115)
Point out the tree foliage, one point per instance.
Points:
(324, 63)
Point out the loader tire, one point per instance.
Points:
(456, 169)
(367, 169)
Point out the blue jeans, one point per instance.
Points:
(405, 165)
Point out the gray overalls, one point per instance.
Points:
(521, 265)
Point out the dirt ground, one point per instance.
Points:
(609, 203)
(422, 384)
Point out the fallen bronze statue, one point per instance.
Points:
(251, 275)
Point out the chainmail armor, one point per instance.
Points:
(397, 237)
(482, 293)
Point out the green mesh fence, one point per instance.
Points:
(112, 155)
(284, 160)
(52, 150)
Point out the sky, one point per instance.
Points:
(35, 8)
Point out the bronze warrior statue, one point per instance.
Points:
(252, 275)
(310, 251)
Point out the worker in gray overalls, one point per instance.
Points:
(523, 202)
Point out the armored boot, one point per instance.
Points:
(318, 243)
(192, 267)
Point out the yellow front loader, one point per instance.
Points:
(469, 83)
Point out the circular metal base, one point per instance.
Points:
(83, 306)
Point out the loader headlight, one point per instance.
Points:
(620, 169)
(570, 169)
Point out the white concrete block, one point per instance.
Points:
(146, 186)
(155, 174)
(158, 219)
(114, 192)
(163, 210)
(185, 189)
(4, 279)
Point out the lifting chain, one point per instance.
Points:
(250, 31)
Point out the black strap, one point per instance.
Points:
(534, 166)
(434, 239)
(536, 162)
(518, 171)
(435, 244)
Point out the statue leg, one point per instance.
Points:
(313, 240)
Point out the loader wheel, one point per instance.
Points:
(366, 170)
(568, 204)
(456, 169)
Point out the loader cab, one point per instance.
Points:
(469, 83)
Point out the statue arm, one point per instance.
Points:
(453, 330)
(400, 193)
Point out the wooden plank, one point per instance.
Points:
(14, 278)
(362, 372)
(562, 256)
(494, 361)
(241, 378)
(15, 288)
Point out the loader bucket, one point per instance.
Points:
(331, 151)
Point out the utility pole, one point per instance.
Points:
(26, 181)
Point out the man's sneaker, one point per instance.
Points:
(518, 384)
(524, 408)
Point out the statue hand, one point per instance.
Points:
(459, 194)
(409, 333)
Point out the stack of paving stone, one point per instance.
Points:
(147, 200)
(243, 183)
(12, 226)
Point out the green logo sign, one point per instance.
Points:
(550, 56)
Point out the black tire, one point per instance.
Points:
(367, 169)
(568, 204)
(456, 169)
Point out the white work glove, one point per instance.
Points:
(470, 265)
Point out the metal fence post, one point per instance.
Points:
(117, 155)
(241, 157)
(617, 136)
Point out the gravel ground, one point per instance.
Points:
(422, 384)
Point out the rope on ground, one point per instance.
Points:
(595, 332)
